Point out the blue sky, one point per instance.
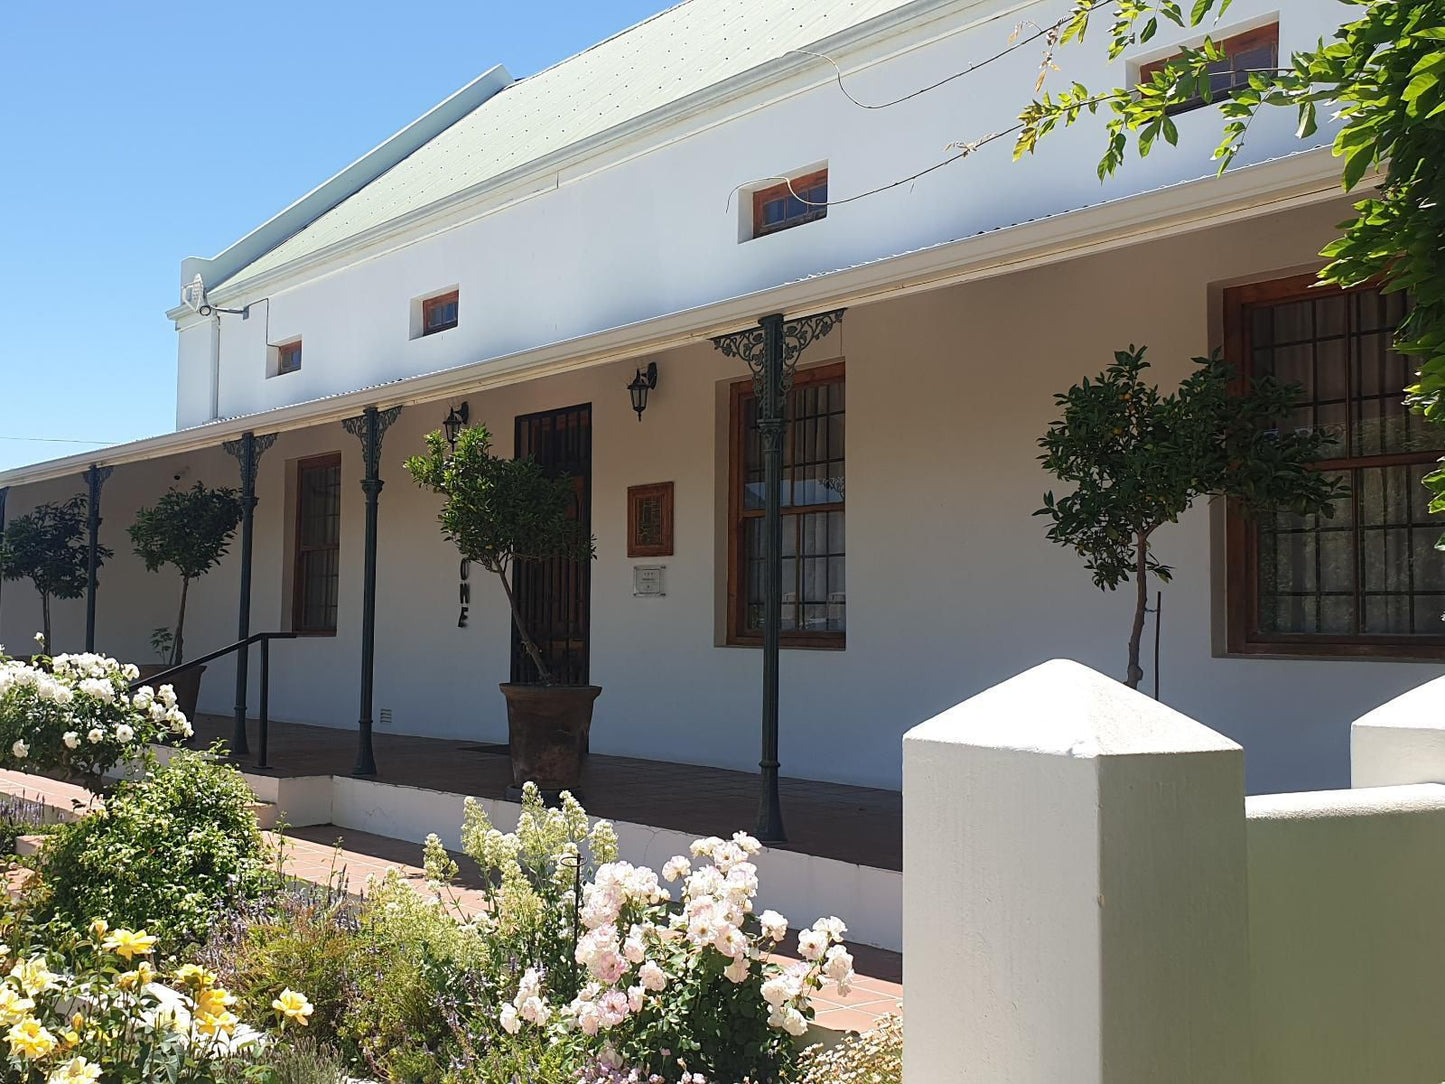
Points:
(132, 135)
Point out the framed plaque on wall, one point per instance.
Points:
(649, 520)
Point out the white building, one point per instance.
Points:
(529, 245)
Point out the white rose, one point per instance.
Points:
(40, 638)
(775, 926)
(96, 735)
(71, 739)
(21, 750)
(130, 671)
(510, 1021)
(123, 733)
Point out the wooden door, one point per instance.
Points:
(555, 596)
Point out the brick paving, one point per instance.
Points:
(344, 857)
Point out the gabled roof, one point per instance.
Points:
(659, 62)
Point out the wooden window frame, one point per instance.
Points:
(1243, 637)
(737, 636)
(285, 351)
(431, 304)
(1231, 46)
(316, 462)
(786, 189)
(635, 495)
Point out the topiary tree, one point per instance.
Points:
(190, 530)
(500, 511)
(48, 547)
(1139, 459)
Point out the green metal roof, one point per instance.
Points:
(662, 60)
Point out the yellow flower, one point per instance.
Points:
(30, 1038)
(293, 1005)
(75, 1071)
(195, 975)
(13, 1007)
(77, 1021)
(129, 944)
(143, 974)
(211, 1024)
(33, 976)
(213, 1000)
(99, 927)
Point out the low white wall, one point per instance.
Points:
(1347, 956)
(1092, 899)
(801, 886)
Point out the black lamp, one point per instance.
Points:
(456, 421)
(642, 383)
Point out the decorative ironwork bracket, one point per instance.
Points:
(370, 427)
(751, 345)
(249, 465)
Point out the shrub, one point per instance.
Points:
(586, 953)
(873, 1058)
(75, 715)
(165, 853)
(48, 547)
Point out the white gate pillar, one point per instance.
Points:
(1074, 890)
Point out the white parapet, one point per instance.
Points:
(1075, 898)
(1402, 741)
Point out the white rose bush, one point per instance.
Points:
(75, 714)
(646, 983)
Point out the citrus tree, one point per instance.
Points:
(48, 547)
(190, 530)
(500, 511)
(1138, 459)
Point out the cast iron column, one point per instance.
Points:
(94, 478)
(771, 351)
(247, 451)
(369, 428)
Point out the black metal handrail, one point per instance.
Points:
(264, 639)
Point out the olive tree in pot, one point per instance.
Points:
(1138, 459)
(189, 530)
(498, 512)
(47, 546)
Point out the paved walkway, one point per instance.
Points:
(851, 824)
(328, 854)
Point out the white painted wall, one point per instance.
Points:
(951, 581)
(1347, 961)
(648, 228)
(1090, 897)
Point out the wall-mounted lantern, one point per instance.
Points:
(456, 421)
(642, 383)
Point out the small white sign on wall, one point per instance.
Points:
(647, 581)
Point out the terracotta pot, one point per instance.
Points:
(548, 726)
(187, 685)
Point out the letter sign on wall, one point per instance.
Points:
(464, 594)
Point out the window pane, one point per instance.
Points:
(814, 598)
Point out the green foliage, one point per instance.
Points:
(1138, 459)
(296, 1061)
(165, 853)
(875, 1057)
(499, 511)
(1383, 76)
(49, 547)
(190, 530)
(387, 975)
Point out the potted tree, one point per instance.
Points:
(190, 530)
(48, 547)
(498, 512)
(1138, 459)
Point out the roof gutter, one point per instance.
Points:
(1251, 191)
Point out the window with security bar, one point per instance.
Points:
(814, 555)
(317, 576)
(1369, 580)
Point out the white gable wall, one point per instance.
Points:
(647, 228)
